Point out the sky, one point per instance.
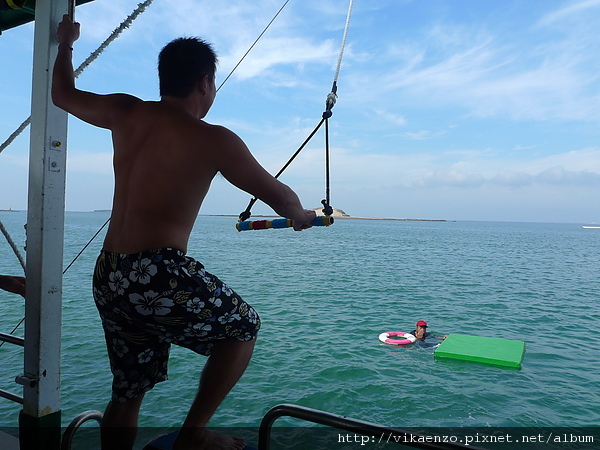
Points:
(447, 109)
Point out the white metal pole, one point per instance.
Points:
(45, 234)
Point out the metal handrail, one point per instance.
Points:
(10, 396)
(344, 423)
(12, 339)
(359, 427)
(16, 340)
(75, 424)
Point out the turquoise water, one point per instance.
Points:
(325, 294)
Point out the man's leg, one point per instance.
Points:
(119, 424)
(223, 369)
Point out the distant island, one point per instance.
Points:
(337, 214)
(340, 214)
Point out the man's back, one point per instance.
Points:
(163, 165)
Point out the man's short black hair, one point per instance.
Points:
(182, 63)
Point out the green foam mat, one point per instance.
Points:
(486, 350)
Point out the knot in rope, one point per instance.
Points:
(327, 209)
(329, 104)
(245, 215)
(330, 101)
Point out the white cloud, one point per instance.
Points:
(465, 170)
(587, 159)
(451, 178)
(511, 178)
(489, 71)
(391, 117)
(280, 51)
(569, 11)
(423, 134)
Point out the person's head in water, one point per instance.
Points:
(183, 63)
(421, 329)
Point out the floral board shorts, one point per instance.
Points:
(150, 300)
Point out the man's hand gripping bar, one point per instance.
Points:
(320, 221)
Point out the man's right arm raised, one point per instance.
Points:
(99, 110)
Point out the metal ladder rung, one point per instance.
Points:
(16, 340)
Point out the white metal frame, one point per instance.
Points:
(45, 236)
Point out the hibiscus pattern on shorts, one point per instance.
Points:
(153, 299)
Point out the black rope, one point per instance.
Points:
(14, 329)
(86, 246)
(252, 46)
(327, 209)
(245, 215)
(329, 104)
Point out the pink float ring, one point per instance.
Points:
(408, 338)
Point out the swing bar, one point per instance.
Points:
(320, 221)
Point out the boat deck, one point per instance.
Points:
(8, 441)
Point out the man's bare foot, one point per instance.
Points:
(203, 439)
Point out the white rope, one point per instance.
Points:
(13, 245)
(16, 133)
(339, 63)
(332, 96)
(115, 34)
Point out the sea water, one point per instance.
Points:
(325, 294)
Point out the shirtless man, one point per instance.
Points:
(165, 158)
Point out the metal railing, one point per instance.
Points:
(10, 396)
(12, 339)
(355, 426)
(75, 424)
(359, 427)
(19, 341)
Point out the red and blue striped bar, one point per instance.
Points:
(320, 221)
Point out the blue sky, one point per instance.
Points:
(447, 109)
